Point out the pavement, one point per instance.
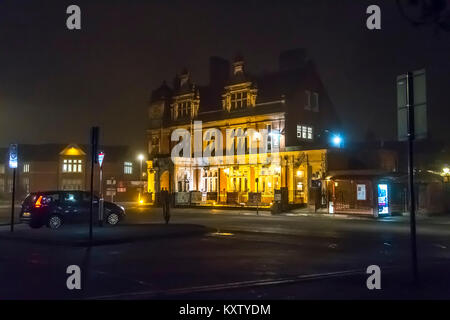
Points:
(78, 235)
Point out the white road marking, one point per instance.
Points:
(232, 285)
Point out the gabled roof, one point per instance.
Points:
(72, 150)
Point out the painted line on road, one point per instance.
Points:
(232, 285)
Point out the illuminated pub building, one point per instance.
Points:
(289, 107)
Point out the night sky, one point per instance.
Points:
(56, 83)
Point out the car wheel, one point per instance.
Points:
(54, 222)
(113, 219)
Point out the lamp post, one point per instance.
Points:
(140, 158)
(257, 196)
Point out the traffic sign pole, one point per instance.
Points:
(101, 156)
(94, 146)
(13, 163)
(13, 199)
(412, 200)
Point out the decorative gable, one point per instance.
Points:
(240, 93)
(186, 100)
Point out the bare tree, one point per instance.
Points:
(426, 12)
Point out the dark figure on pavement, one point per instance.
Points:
(165, 202)
(167, 216)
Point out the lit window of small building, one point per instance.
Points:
(128, 168)
(72, 165)
(26, 167)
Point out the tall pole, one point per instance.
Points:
(140, 179)
(94, 145)
(412, 200)
(257, 196)
(13, 199)
(92, 196)
(100, 201)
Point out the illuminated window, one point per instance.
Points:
(26, 167)
(2, 168)
(128, 168)
(238, 100)
(304, 132)
(210, 181)
(70, 165)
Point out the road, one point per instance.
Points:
(238, 255)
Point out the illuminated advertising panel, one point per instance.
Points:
(383, 199)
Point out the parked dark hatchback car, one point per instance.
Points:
(55, 208)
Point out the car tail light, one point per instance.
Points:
(38, 203)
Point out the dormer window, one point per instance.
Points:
(186, 99)
(184, 109)
(239, 100)
(239, 97)
(240, 92)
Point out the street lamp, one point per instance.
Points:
(140, 158)
(446, 173)
(336, 140)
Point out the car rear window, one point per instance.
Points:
(51, 197)
(30, 199)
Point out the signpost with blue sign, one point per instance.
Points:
(13, 163)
